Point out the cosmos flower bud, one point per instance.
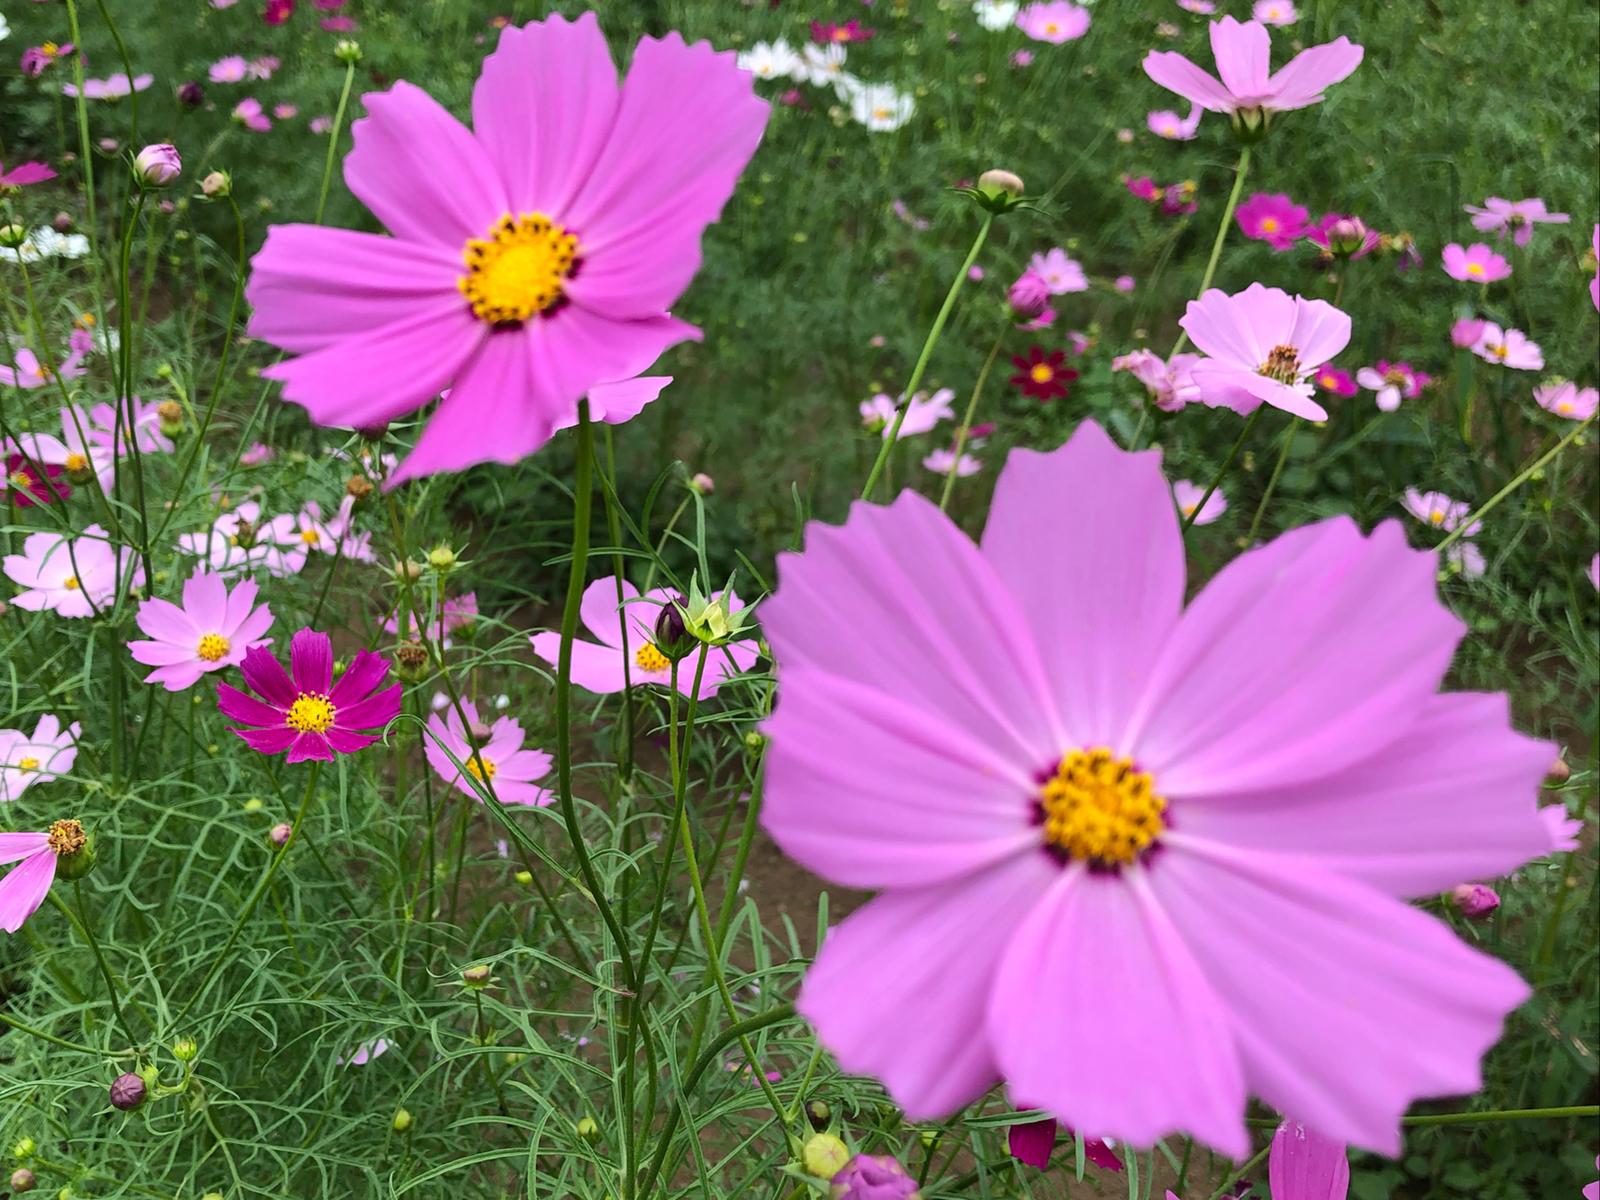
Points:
(411, 659)
(477, 978)
(997, 192)
(13, 236)
(441, 558)
(1029, 296)
(824, 1156)
(525, 878)
(1558, 773)
(191, 94)
(1347, 235)
(22, 1149)
(1464, 334)
(185, 1049)
(171, 414)
(407, 571)
(278, 835)
(216, 184)
(62, 222)
(874, 1177)
(1475, 900)
(588, 1129)
(819, 1114)
(22, 1180)
(358, 487)
(1250, 124)
(401, 1121)
(1000, 182)
(671, 635)
(157, 165)
(703, 483)
(374, 433)
(347, 51)
(128, 1092)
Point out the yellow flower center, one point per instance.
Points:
(20, 479)
(77, 462)
(308, 536)
(1188, 509)
(841, 35)
(1051, 27)
(1563, 406)
(1269, 225)
(212, 647)
(66, 838)
(1283, 364)
(70, 583)
(1100, 809)
(882, 114)
(1501, 351)
(50, 49)
(1042, 373)
(28, 763)
(1395, 376)
(652, 660)
(518, 271)
(481, 772)
(1436, 517)
(1474, 268)
(311, 712)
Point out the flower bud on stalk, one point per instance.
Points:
(216, 184)
(824, 1156)
(874, 1177)
(22, 1180)
(671, 634)
(1029, 296)
(128, 1092)
(1475, 901)
(997, 192)
(170, 413)
(401, 1122)
(157, 165)
(411, 661)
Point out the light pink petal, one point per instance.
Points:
(421, 172)
(164, 620)
(1100, 1016)
(1301, 81)
(1304, 1165)
(543, 108)
(175, 677)
(311, 661)
(1269, 314)
(1245, 391)
(1244, 56)
(688, 122)
(205, 599)
(161, 654)
(16, 846)
(1087, 540)
(1297, 658)
(24, 888)
(594, 668)
(601, 616)
(1320, 330)
(615, 403)
(1347, 1005)
(1177, 74)
(1217, 325)
(899, 990)
(240, 602)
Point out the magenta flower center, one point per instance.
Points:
(518, 271)
(1100, 809)
(212, 647)
(311, 712)
(66, 838)
(1283, 364)
(652, 660)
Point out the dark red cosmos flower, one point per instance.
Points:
(25, 485)
(1042, 376)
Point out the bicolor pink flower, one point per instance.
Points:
(47, 753)
(1188, 495)
(530, 260)
(210, 631)
(1517, 217)
(1509, 348)
(303, 711)
(943, 460)
(498, 758)
(241, 540)
(1341, 233)
(1334, 380)
(1170, 125)
(1053, 21)
(1304, 1165)
(1060, 273)
(1121, 846)
(232, 69)
(1273, 218)
(1170, 383)
(28, 373)
(1567, 399)
(69, 576)
(924, 411)
(1475, 264)
(1244, 61)
(28, 482)
(1262, 345)
(26, 885)
(1275, 12)
(597, 666)
(1438, 511)
(113, 87)
(24, 174)
(1393, 382)
(249, 113)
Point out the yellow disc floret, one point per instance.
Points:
(311, 712)
(481, 768)
(1100, 809)
(66, 838)
(651, 659)
(28, 763)
(518, 271)
(212, 647)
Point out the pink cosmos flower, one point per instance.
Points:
(499, 757)
(232, 69)
(113, 87)
(1262, 345)
(71, 577)
(1022, 58)
(1273, 218)
(1591, 1191)
(29, 482)
(1304, 1165)
(1393, 382)
(321, 124)
(597, 665)
(25, 886)
(24, 174)
(1567, 399)
(335, 535)
(114, 434)
(1142, 187)
(257, 454)
(1244, 61)
(1438, 511)
(1031, 1142)
(1178, 199)
(340, 24)
(1509, 348)
(941, 461)
(263, 67)
(1204, 7)
(1124, 284)
(249, 113)
(1121, 846)
(1476, 264)
(1342, 233)
(36, 60)
(1053, 21)
(241, 540)
(211, 631)
(530, 260)
(28, 373)
(457, 612)
(1169, 125)
(826, 32)
(1334, 381)
(1464, 334)
(1466, 558)
(364, 1053)
(1515, 217)
(303, 711)
(923, 413)
(1187, 495)
(1562, 829)
(1170, 383)
(1060, 273)
(1275, 12)
(47, 753)
(1474, 900)
(285, 112)
(277, 11)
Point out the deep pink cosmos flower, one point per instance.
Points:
(1474, 900)
(1567, 399)
(277, 11)
(36, 60)
(531, 259)
(1515, 217)
(303, 711)
(1304, 1165)
(1122, 847)
(498, 757)
(25, 886)
(1053, 21)
(1262, 345)
(210, 631)
(1142, 187)
(1393, 382)
(23, 174)
(28, 482)
(1244, 61)
(1178, 199)
(1273, 218)
(1344, 235)
(1334, 380)
(1475, 264)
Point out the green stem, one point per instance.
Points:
(1239, 173)
(1222, 471)
(333, 140)
(47, 1037)
(966, 418)
(614, 529)
(1256, 1160)
(1527, 473)
(1272, 483)
(81, 924)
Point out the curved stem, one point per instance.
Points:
(78, 922)
(1272, 483)
(966, 419)
(333, 140)
(1222, 471)
(1527, 473)
(1239, 172)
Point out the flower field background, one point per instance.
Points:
(363, 846)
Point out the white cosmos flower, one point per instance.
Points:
(45, 242)
(822, 66)
(996, 14)
(773, 60)
(881, 106)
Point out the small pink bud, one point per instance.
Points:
(1466, 332)
(127, 1092)
(279, 833)
(158, 165)
(1029, 296)
(1475, 900)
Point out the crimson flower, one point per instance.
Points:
(1042, 376)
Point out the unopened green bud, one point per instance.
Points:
(477, 978)
(441, 558)
(824, 1156)
(588, 1129)
(184, 1049)
(347, 51)
(22, 1150)
(401, 1122)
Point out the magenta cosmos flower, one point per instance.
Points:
(1474, 264)
(1262, 345)
(25, 887)
(1335, 381)
(1567, 399)
(1517, 217)
(24, 174)
(211, 631)
(1140, 861)
(531, 258)
(499, 756)
(1393, 382)
(1056, 21)
(1244, 60)
(303, 711)
(1273, 218)
(28, 482)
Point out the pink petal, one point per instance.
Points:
(160, 654)
(16, 846)
(345, 742)
(246, 708)
(615, 403)
(205, 600)
(166, 622)
(1100, 1015)
(177, 676)
(1245, 391)
(1216, 324)
(1177, 74)
(376, 711)
(899, 990)
(1304, 1165)
(309, 747)
(1301, 81)
(1031, 1142)
(274, 740)
(24, 889)
(421, 172)
(365, 672)
(1088, 541)
(603, 618)
(543, 108)
(1320, 330)
(595, 668)
(265, 674)
(1244, 57)
(311, 661)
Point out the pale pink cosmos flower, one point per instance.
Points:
(116, 434)
(1517, 217)
(285, 112)
(1060, 273)
(1567, 399)
(263, 67)
(257, 454)
(249, 113)
(28, 373)
(597, 666)
(1304, 1165)
(1170, 383)
(1438, 511)
(210, 631)
(1244, 61)
(941, 461)
(476, 289)
(26, 885)
(1465, 558)
(364, 1053)
(1561, 827)
(1188, 494)
(1125, 284)
(1275, 12)
(232, 69)
(113, 87)
(499, 758)
(1273, 218)
(1204, 7)
(47, 753)
(321, 124)
(335, 535)
(1393, 382)
(1262, 345)
(1509, 348)
(1167, 124)
(924, 412)
(1476, 263)
(1120, 845)
(241, 540)
(69, 576)
(1053, 21)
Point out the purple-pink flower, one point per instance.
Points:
(249, 113)
(1167, 124)
(25, 886)
(1476, 263)
(1334, 380)
(1393, 382)
(1566, 399)
(1261, 346)
(1517, 217)
(489, 754)
(210, 631)
(24, 174)
(1474, 900)
(1273, 218)
(303, 711)
(1053, 21)
(1243, 53)
(1304, 1165)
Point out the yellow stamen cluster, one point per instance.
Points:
(70, 583)
(481, 768)
(76, 462)
(21, 479)
(1100, 809)
(518, 271)
(212, 647)
(1283, 364)
(652, 660)
(309, 536)
(311, 712)
(1042, 373)
(29, 763)
(66, 838)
